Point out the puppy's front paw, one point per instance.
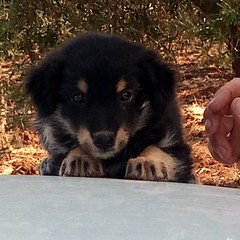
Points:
(44, 167)
(79, 165)
(50, 166)
(152, 167)
(143, 168)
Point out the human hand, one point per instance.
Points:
(222, 123)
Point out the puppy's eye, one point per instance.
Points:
(126, 95)
(78, 98)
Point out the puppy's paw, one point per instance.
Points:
(143, 168)
(44, 167)
(49, 166)
(152, 167)
(79, 165)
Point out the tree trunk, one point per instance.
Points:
(234, 46)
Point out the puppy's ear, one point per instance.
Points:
(42, 85)
(157, 78)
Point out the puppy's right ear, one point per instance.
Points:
(42, 85)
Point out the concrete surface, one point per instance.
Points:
(61, 208)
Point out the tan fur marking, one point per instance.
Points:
(77, 164)
(121, 85)
(152, 164)
(82, 85)
(86, 142)
(85, 136)
(121, 139)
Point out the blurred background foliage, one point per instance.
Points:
(206, 31)
(34, 27)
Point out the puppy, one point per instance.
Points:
(106, 108)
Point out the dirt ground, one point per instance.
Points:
(195, 88)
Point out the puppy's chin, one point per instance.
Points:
(104, 154)
(91, 150)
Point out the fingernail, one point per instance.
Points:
(238, 104)
(207, 124)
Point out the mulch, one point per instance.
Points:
(21, 155)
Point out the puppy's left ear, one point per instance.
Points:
(42, 84)
(157, 78)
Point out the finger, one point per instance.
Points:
(212, 120)
(225, 95)
(234, 135)
(215, 153)
(219, 143)
(222, 153)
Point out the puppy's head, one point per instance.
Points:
(103, 88)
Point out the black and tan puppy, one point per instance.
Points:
(106, 108)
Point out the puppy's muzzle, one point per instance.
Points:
(104, 141)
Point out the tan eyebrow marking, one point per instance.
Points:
(82, 85)
(121, 85)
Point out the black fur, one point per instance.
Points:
(102, 61)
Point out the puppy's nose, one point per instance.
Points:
(103, 140)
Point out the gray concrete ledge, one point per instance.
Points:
(61, 208)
